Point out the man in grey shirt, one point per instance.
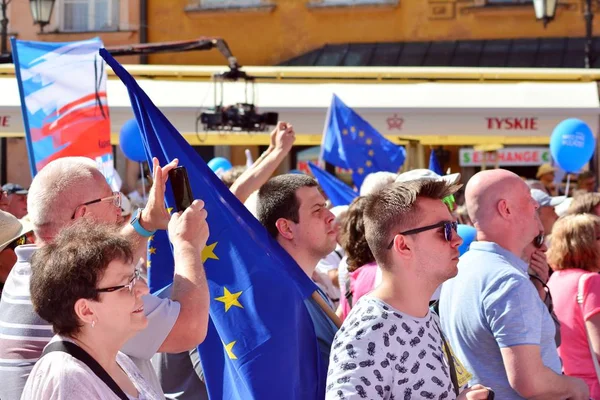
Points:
(63, 191)
(491, 313)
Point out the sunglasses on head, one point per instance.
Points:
(17, 242)
(449, 228)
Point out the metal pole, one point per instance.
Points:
(4, 29)
(589, 17)
(3, 51)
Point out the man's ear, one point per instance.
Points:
(401, 247)
(285, 229)
(503, 208)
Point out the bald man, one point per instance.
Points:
(491, 313)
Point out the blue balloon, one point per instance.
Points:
(468, 234)
(572, 144)
(130, 140)
(219, 163)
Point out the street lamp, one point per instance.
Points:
(545, 10)
(41, 11)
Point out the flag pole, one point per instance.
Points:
(336, 320)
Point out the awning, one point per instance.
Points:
(440, 113)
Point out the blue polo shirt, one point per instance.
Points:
(492, 304)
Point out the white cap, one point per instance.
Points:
(423, 173)
(545, 200)
(125, 205)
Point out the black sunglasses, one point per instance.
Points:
(538, 242)
(449, 228)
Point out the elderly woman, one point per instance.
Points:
(574, 255)
(86, 285)
(362, 268)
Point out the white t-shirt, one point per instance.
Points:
(382, 353)
(59, 376)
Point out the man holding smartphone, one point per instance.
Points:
(71, 188)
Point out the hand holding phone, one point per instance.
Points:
(180, 185)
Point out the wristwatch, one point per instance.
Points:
(135, 222)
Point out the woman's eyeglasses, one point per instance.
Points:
(136, 276)
(449, 228)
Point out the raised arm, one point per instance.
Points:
(282, 140)
(188, 232)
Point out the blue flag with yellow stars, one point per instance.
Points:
(351, 142)
(337, 191)
(261, 341)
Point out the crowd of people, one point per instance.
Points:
(399, 313)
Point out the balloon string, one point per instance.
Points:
(568, 182)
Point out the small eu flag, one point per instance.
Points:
(434, 165)
(352, 143)
(261, 341)
(337, 191)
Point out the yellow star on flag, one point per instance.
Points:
(230, 299)
(352, 129)
(209, 252)
(344, 131)
(371, 153)
(148, 263)
(369, 141)
(360, 171)
(170, 210)
(229, 350)
(152, 250)
(368, 163)
(362, 134)
(151, 238)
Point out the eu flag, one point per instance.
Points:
(434, 165)
(337, 191)
(351, 142)
(261, 341)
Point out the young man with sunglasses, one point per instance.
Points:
(391, 344)
(491, 313)
(72, 188)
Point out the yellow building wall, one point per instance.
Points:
(268, 36)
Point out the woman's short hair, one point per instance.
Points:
(353, 236)
(574, 243)
(584, 203)
(69, 269)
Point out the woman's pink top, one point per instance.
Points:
(574, 350)
(362, 281)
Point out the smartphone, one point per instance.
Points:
(182, 191)
(491, 394)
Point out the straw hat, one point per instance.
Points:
(11, 228)
(544, 169)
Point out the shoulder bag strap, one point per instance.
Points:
(348, 292)
(453, 376)
(80, 354)
(587, 334)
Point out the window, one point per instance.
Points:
(229, 3)
(351, 2)
(89, 15)
(508, 2)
